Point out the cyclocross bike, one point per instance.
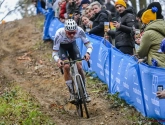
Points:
(79, 88)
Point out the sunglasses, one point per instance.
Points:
(71, 33)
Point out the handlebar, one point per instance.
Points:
(72, 62)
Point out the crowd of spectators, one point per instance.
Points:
(90, 15)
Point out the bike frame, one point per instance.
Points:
(75, 74)
(78, 86)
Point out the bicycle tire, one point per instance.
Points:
(82, 102)
(78, 103)
(79, 109)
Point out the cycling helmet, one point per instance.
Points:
(70, 25)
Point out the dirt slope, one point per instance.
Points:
(25, 59)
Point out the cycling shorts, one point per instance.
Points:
(70, 49)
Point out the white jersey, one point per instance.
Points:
(61, 38)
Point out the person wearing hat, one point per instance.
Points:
(85, 3)
(154, 33)
(123, 40)
(140, 13)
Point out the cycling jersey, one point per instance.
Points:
(61, 38)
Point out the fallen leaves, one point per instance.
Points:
(24, 57)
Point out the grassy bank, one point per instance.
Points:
(18, 107)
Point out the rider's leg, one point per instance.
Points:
(79, 66)
(74, 55)
(69, 82)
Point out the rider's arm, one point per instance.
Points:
(85, 41)
(55, 56)
(56, 46)
(89, 47)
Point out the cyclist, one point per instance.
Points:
(65, 42)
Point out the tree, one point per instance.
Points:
(24, 7)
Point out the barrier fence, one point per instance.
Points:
(136, 82)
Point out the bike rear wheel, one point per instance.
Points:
(82, 103)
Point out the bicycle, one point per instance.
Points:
(79, 88)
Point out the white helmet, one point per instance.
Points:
(70, 25)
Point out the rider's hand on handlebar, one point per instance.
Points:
(87, 57)
(59, 63)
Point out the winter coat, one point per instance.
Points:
(150, 42)
(123, 37)
(111, 8)
(62, 11)
(98, 23)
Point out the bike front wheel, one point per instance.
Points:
(82, 102)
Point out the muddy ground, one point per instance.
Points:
(26, 61)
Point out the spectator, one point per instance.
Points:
(78, 5)
(138, 17)
(161, 94)
(139, 14)
(70, 7)
(39, 3)
(89, 13)
(153, 34)
(129, 6)
(87, 24)
(62, 10)
(56, 7)
(85, 3)
(77, 18)
(111, 8)
(159, 13)
(123, 40)
(101, 16)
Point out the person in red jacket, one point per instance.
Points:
(62, 11)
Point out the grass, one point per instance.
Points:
(128, 111)
(18, 107)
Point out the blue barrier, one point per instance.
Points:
(124, 79)
(48, 19)
(151, 77)
(39, 9)
(136, 83)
